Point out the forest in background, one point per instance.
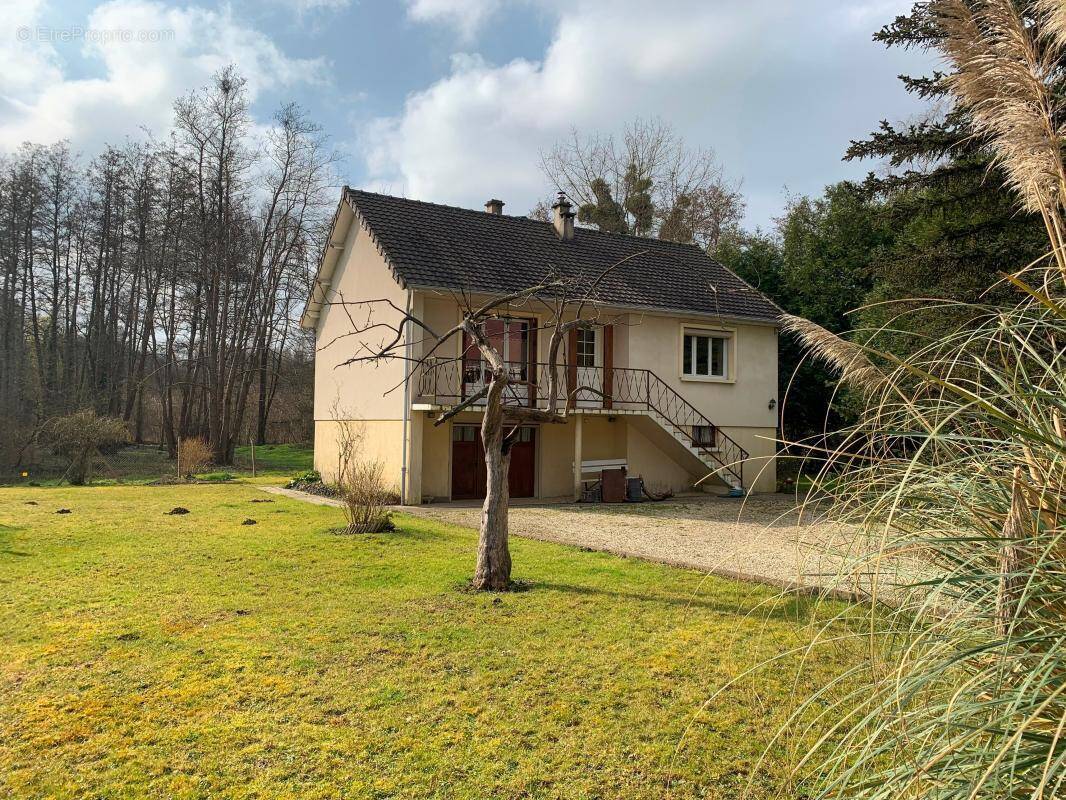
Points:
(161, 282)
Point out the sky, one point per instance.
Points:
(452, 101)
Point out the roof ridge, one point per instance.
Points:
(526, 219)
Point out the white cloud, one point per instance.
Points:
(304, 8)
(465, 16)
(600, 70)
(875, 13)
(147, 54)
(749, 80)
(24, 66)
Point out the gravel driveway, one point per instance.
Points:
(760, 538)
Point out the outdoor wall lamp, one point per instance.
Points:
(772, 404)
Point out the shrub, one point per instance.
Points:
(79, 437)
(307, 476)
(362, 489)
(194, 456)
(954, 479)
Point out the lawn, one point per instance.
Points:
(276, 459)
(147, 463)
(147, 654)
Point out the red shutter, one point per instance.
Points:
(608, 366)
(571, 367)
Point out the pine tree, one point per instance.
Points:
(958, 227)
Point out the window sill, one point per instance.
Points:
(706, 379)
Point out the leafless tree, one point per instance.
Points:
(381, 331)
(242, 296)
(159, 281)
(651, 183)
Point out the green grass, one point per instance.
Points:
(192, 656)
(138, 464)
(276, 459)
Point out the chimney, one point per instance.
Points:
(494, 206)
(563, 218)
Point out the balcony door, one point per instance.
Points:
(588, 354)
(516, 340)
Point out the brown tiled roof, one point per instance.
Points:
(443, 247)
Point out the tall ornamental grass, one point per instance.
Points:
(954, 479)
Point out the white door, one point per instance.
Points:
(589, 358)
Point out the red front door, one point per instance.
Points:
(468, 463)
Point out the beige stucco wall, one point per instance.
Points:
(760, 471)
(603, 438)
(555, 461)
(654, 342)
(660, 471)
(359, 391)
(437, 458)
(378, 440)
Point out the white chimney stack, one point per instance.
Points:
(495, 206)
(563, 218)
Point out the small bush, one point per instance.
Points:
(310, 481)
(80, 437)
(194, 456)
(363, 490)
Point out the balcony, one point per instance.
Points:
(447, 382)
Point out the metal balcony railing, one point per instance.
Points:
(448, 381)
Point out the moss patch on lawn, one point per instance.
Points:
(148, 654)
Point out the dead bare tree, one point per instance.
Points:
(650, 183)
(568, 303)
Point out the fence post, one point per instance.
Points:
(253, 458)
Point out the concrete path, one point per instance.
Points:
(306, 497)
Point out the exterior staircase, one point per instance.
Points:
(447, 382)
(729, 472)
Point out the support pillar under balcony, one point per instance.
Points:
(577, 456)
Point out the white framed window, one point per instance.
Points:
(586, 347)
(705, 355)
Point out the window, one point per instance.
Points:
(705, 355)
(464, 433)
(586, 347)
(705, 435)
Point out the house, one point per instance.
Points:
(686, 373)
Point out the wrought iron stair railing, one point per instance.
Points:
(449, 381)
